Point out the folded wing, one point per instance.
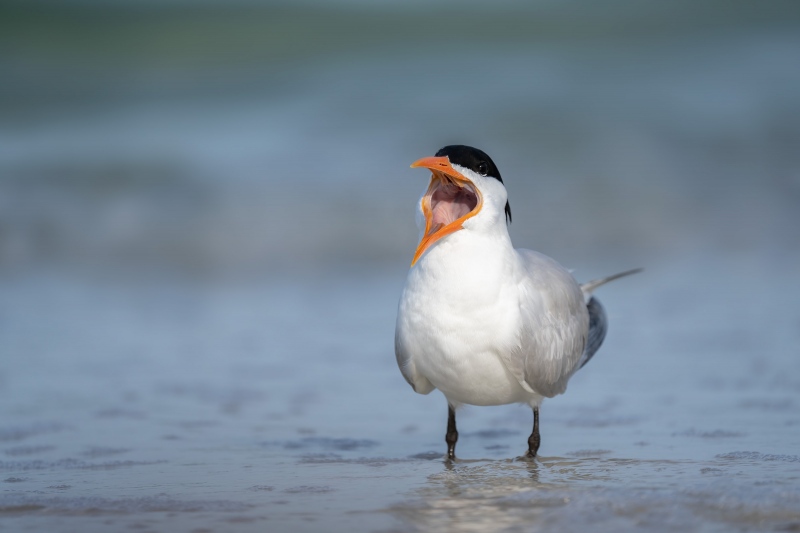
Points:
(554, 326)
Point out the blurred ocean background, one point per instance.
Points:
(206, 217)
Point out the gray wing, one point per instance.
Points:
(598, 325)
(554, 326)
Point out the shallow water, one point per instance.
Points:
(203, 240)
(210, 407)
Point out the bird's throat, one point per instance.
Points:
(449, 202)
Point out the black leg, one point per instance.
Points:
(452, 434)
(534, 440)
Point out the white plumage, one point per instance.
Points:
(480, 321)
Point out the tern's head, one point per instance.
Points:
(466, 189)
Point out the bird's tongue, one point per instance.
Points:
(449, 203)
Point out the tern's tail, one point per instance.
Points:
(598, 323)
(590, 286)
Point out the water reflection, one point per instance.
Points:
(575, 495)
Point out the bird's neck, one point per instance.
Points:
(467, 264)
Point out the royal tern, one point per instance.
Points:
(480, 321)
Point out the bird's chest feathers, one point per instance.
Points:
(461, 297)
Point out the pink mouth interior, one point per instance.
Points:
(449, 202)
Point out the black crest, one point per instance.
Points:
(476, 160)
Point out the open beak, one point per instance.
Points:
(451, 199)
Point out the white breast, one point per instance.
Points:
(458, 313)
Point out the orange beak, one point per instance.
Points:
(442, 172)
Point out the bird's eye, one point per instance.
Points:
(483, 168)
